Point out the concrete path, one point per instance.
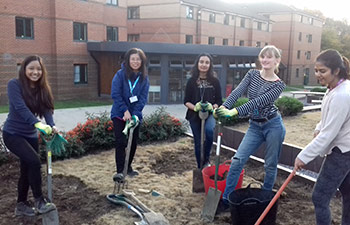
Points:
(67, 119)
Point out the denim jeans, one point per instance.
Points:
(271, 132)
(334, 174)
(195, 124)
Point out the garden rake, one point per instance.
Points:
(128, 131)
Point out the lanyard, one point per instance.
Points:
(133, 86)
(339, 82)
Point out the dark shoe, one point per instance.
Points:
(43, 206)
(118, 177)
(207, 164)
(24, 209)
(223, 207)
(132, 172)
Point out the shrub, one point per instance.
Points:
(160, 126)
(233, 120)
(289, 106)
(319, 89)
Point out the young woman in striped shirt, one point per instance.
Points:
(265, 125)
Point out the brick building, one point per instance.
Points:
(62, 31)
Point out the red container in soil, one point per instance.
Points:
(210, 171)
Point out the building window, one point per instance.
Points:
(242, 22)
(80, 74)
(225, 41)
(79, 31)
(241, 43)
(300, 36)
(297, 72)
(112, 2)
(211, 40)
(258, 44)
(308, 55)
(134, 12)
(189, 12)
(301, 19)
(309, 38)
(189, 39)
(227, 19)
(212, 17)
(24, 28)
(259, 26)
(112, 33)
(298, 54)
(133, 37)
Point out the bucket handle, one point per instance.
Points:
(227, 162)
(254, 182)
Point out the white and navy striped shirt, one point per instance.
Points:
(261, 93)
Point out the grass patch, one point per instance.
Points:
(294, 88)
(69, 104)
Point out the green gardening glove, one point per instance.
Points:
(197, 107)
(223, 112)
(46, 129)
(130, 123)
(209, 107)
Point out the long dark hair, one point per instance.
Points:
(333, 59)
(210, 73)
(38, 99)
(142, 69)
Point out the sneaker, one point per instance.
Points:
(43, 206)
(24, 209)
(118, 177)
(223, 207)
(132, 172)
(207, 164)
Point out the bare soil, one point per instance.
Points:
(80, 185)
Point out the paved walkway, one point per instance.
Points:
(67, 119)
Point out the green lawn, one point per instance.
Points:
(70, 104)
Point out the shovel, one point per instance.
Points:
(55, 145)
(277, 195)
(197, 177)
(151, 217)
(213, 197)
(130, 126)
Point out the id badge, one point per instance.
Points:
(133, 99)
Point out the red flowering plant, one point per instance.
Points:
(161, 126)
(95, 134)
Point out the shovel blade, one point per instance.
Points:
(153, 218)
(211, 204)
(50, 218)
(197, 181)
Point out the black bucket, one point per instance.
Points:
(247, 204)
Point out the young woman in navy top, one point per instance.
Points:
(29, 97)
(129, 92)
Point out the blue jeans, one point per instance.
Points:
(271, 132)
(334, 174)
(195, 124)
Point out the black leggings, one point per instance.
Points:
(121, 143)
(26, 149)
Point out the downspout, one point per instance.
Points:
(289, 72)
(98, 74)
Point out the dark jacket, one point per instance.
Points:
(21, 120)
(120, 93)
(193, 93)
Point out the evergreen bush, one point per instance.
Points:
(289, 106)
(319, 89)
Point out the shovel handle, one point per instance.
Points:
(277, 195)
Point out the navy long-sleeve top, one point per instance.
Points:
(262, 95)
(20, 120)
(121, 93)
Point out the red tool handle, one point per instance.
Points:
(277, 195)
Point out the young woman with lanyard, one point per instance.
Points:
(202, 87)
(331, 137)
(265, 124)
(29, 96)
(129, 92)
